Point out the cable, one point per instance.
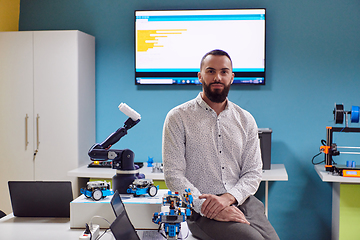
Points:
(87, 230)
(91, 225)
(312, 160)
(100, 236)
(336, 135)
(101, 218)
(323, 142)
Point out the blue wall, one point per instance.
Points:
(313, 61)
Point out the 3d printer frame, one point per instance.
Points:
(330, 150)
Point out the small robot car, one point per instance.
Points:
(97, 190)
(143, 186)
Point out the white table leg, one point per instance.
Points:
(266, 198)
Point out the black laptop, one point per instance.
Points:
(40, 198)
(122, 227)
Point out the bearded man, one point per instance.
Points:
(211, 146)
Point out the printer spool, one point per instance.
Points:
(354, 114)
(339, 114)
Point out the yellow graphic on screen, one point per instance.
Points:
(150, 38)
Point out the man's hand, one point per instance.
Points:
(231, 214)
(213, 204)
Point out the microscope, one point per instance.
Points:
(122, 160)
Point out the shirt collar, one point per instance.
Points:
(205, 106)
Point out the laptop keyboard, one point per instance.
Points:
(150, 235)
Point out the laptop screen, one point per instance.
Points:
(122, 227)
(116, 204)
(40, 198)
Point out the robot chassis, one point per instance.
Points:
(171, 220)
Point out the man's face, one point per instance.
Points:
(216, 77)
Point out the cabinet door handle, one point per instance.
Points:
(37, 132)
(26, 132)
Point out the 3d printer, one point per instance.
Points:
(331, 149)
(122, 160)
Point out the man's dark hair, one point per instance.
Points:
(216, 52)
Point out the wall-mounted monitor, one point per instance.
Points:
(169, 44)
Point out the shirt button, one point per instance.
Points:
(222, 167)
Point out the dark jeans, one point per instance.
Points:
(253, 209)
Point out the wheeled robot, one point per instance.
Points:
(97, 190)
(173, 215)
(142, 187)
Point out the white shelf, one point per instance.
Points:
(276, 173)
(329, 177)
(92, 172)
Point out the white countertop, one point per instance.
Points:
(276, 173)
(102, 172)
(15, 228)
(329, 177)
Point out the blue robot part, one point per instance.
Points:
(188, 201)
(172, 219)
(150, 161)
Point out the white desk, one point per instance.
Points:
(276, 173)
(139, 209)
(15, 228)
(336, 182)
(329, 177)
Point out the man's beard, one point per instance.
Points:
(218, 95)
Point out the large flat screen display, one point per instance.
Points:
(170, 44)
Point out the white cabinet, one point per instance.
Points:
(47, 105)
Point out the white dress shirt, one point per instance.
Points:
(211, 153)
